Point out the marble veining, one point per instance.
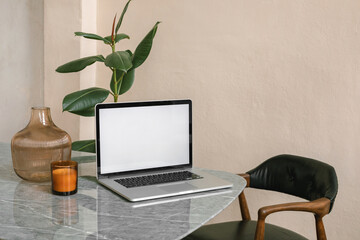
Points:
(29, 210)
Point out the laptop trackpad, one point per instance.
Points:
(180, 187)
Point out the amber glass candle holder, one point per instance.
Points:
(64, 177)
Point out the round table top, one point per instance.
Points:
(30, 211)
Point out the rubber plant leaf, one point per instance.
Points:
(120, 60)
(121, 17)
(79, 64)
(126, 83)
(118, 37)
(92, 36)
(90, 112)
(143, 49)
(83, 100)
(84, 146)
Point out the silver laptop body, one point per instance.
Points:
(148, 138)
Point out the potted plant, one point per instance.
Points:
(121, 63)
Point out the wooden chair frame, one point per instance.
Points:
(319, 207)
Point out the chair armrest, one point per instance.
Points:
(319, 206)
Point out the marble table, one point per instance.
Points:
(29, 210)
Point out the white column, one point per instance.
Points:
(88, 48)
(61, 20)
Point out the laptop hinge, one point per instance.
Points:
(141, 173)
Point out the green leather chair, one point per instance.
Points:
(303, 177)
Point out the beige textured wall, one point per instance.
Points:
(21, 63)
(266, 77)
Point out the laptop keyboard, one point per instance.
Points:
(157, 179)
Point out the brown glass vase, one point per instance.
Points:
(37, 145)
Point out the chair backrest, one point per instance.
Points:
(303, 177)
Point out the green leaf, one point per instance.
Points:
(127, 81)
(118, 37)
(82, 101)
(120, 60)
(92, 36)
(90, 112)
(84, 146)
(121, 17)
(79, 64)
(143, 49)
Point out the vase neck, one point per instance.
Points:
(40, 115)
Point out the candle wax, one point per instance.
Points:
(64, 179)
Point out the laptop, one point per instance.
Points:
(144, 150)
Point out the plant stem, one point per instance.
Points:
(115, 86)
(114, 76)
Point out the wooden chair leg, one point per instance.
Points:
(320, 229)
(245, 214)
(260, 229)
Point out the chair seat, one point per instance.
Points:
(241, 230)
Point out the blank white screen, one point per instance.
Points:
(134, 138)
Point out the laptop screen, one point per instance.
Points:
(139, 136)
